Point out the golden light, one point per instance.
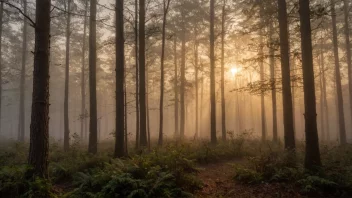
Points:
(234, 71)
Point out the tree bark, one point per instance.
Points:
(142, 68)
(39, 128)
(120, 75)
(272, 79)
(212, 76)
(289, 133)
(223, 108)
(67, 79)
(342, 128)
(176, 88)
(166, 4)
(83, 80)
(21, 124)
(312, 157)
(348, 51)
(93, 133)
(183, 76)
(137, 71)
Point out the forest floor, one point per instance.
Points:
(218, 181)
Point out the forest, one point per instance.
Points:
(175, 98)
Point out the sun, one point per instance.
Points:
(234, 71)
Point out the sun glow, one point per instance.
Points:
(235, 70)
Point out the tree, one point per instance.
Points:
(93, 133)
(212, 76)
(272, 79)
(21, 123)
(39, 129)
(348, 50)
(286, 78)
(137, 70)
(261, 67)
(119, 44)
(67, 76)
(166, 4)
(312, 157)
(83, 80)
(223, 111)
(342, 128)
(142, 82)
(183, 73)
(175, 87)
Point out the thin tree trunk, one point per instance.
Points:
(272, 79)
(289, 133)
(342, 128)
(327, 138)
(196, 82)
(137, 72)
(212, 75)
(83, 80)
(126, 118)
(312, 158)
(166, 4)
(348, 51)
(67, 76)
(176, 88)
(183, 76)
(147, 109)
(322, 116)
(93, 134)
(39, 128)
(261, 66)
(142, 68)
(21, 124)
(201, 105)
(223, 108)
(120, 76)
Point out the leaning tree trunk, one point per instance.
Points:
(348, 51)
(83, 80)
(142, 67)
(223, 108)
(312, 158)
(39, 128)
(286, 78)
(137, 70)
(342, 128)
(212, 76)
(272, 79)
(21, 123)
(120, 67)
(67, 76)
(166, 4)
(93, 133)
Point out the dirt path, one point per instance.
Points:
(218, 182)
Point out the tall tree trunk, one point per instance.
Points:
(261, 67)
(39, 128)
(21, 124)
(348, 51)
(93, 133)
(142, 68)
(67, 76)
(183, 76)
(166, 4)
(322, 113)
(196, 82)
(147, 110)
(212, 75)
(342, 128)
(176, 88)
(83, 80)
(286, 78)
(137, 71)
(312, 158)
(126, 118)
(327, 138)
(120, 75)
(201, 105)
(272, 79)
(223, 108)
